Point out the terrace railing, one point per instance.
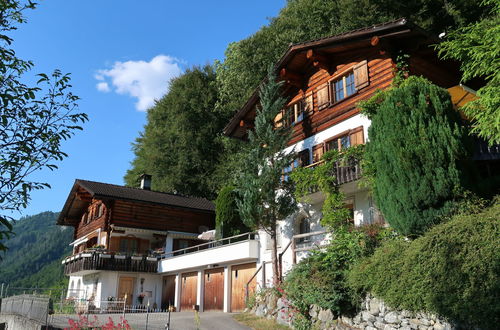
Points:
(212, 244)
(88, 261)
(344, 173)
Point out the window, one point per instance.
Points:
(345, 140)
(128, 245)
(304, 228)
(303, 159)
(343, 87)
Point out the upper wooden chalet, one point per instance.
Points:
(133, 220)
(326, 78)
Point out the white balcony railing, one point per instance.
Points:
(244, 247)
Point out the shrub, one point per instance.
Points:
(228, 222)
(417, 154)
(320, 279)
(453, 270)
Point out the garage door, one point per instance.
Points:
(240, 275)
(214, 290)
(188, 290)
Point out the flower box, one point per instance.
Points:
(120, 256)
(105, 256)
(136, 257)
(86, 255)
(152, 258)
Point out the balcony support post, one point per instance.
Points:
(227, 289)
(199, 290)
(177, 298)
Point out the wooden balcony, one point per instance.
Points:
(344, 173)
(86, 263)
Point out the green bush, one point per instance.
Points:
(320, 279)
(453, 270)
(227, 221)
(417, 155)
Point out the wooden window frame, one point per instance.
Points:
(341, 77)
(344, 133)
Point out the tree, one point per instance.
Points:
(265, 197)
(180, 145)
(34, 121)
(477, 47)
(417, 153)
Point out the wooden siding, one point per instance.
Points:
(380, 73)
(188, 290)
(213, 299)
(157, 217)
(94, 221)
(240, 275)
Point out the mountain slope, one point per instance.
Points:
(35, 252)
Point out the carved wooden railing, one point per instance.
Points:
(101, 261)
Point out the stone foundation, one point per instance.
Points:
(374, 314)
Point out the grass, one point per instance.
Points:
(258, 323)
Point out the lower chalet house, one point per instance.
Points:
(135, 242)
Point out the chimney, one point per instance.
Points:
(145, 181)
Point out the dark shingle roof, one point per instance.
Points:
(99, 189)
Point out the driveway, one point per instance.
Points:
(157, 321)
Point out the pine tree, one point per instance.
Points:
(418, 153)
(265, 196)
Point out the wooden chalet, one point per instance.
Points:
(124, 230)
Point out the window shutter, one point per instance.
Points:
(323, 97)
(308, 104)
(361, 75)
(317, 152)
(357, 138)
(277, 120)
(143, 245)
(114, 244)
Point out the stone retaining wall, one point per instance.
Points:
(374, 314)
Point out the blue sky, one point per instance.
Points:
(121, 54)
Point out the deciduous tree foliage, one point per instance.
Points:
(34, 121)
(265, 198)
(417, 152)
(179, 146)
(477, 47)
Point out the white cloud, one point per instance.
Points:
(146, 81)
(103, 87)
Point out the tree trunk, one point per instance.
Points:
(274, 259)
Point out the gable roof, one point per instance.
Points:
(396, 29)
(101, 190)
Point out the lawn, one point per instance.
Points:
(259, 323)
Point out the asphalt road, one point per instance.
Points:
(157, 321)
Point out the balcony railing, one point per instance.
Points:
(236, 249)
(343, 173)
(92, 261)
(212, 244)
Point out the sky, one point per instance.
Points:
(121, 55)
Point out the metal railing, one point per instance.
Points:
(213, 244)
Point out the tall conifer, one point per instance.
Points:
(266, 197)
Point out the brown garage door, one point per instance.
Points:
(240, 275)
(214, 290)
(188, 290)
(168, 291)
